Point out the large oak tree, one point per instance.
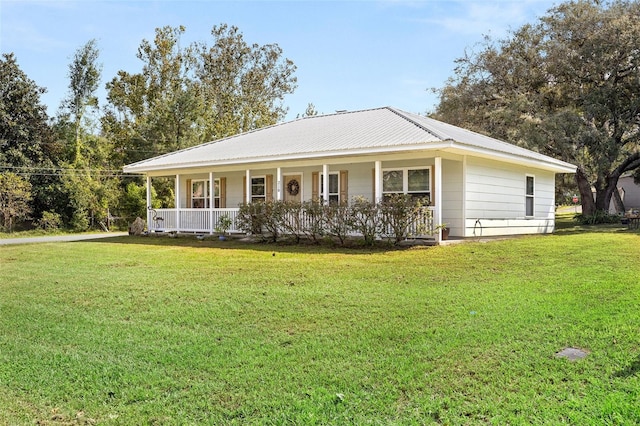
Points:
(567, 85)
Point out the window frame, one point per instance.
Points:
(529, 198)
(405, 181)
(206, 200)
(259, 198)
(336, 194)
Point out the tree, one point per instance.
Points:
(15, 195)
(309, 112)
(243, 85)
(25, 136)
(188, 95)
(27, 142)
(84, 79)
(567, 86)
(88, 183)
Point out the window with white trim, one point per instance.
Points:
(334, 187)
(258, 189)
(200, 194)
(529, 199)
(412, 181)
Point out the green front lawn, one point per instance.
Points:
(179, 331)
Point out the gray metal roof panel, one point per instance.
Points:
(346, 131)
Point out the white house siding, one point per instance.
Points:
(452, 190)
(630, 192)
(495, 199)
(360, 178)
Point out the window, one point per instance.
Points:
(258, 192)
(529, 196)
(414, 182)
(334, 187)
(200, 194)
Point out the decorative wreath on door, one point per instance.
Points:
(293, 187)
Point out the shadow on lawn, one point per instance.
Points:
(631, 370)
(186, 240)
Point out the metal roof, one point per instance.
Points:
(380, 130)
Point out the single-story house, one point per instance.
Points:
(477, 185)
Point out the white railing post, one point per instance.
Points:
(438, 197)
(248, 186)
(177, 202)
(279, 184)
(149, 203)
(377, 187)
(325, 184)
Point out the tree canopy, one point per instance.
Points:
(182, 96)
(567, 86)
(188, 95)
(25, 136)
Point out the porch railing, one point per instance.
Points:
(190, 220)
(205, 221)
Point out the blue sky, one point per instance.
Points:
(350, 54)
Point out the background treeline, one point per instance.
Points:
(66, 171)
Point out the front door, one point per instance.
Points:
(292, 188)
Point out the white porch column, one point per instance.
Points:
(248, 186)
(212, 202)
(437, 220)
(148, 202)
(325, 184)
(177, 202)
(377, 181)
(279, 184)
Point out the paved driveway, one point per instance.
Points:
(59, 238)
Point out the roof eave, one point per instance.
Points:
(548, 163)
(139, 168)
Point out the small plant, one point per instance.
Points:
(224, 224)
(445, 230)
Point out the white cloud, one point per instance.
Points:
(494, 18)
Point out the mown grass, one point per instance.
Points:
(179, 331)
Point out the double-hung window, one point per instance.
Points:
(200, 194)
(411, 181)
(258, 189)
(529, 196)
(334, 187)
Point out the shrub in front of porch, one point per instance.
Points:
(397, 218)
(401, 216)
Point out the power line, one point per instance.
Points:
(56, 171)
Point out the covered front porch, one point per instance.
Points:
(203, 197)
